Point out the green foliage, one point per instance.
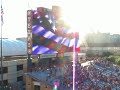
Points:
(106, 54)
(111, 58)
(90, 54)
(117, 61)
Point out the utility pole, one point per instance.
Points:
(1, 48)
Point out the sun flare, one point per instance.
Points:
(72, 18)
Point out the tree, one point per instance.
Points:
(106, 54)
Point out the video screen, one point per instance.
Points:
(50, 32)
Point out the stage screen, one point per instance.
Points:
(50, 32)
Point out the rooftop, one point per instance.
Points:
(13, 47)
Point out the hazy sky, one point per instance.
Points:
(84, 15)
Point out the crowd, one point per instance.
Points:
(99, 75)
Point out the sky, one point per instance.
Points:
(83, 15)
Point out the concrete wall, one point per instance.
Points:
(31, 82)
(12, 74)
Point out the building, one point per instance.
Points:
(14, 62)
(13, 71)
(33, 84)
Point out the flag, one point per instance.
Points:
(2, 14)
(46, 40)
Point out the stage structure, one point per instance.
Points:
(48, 33)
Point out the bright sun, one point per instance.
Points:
(70, 13)
(71, 17)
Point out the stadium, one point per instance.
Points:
(50, 58)
(59, 66)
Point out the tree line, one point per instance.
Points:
(102, 40)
